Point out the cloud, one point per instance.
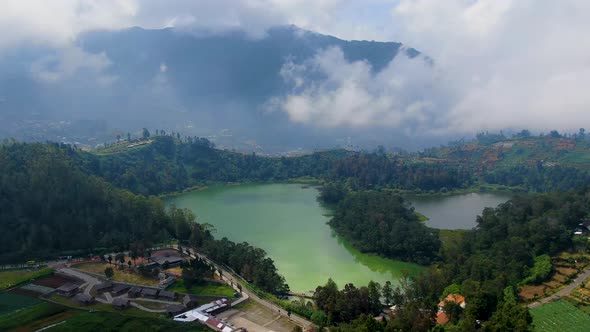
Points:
(329, 91)
(57, 23)
(509, 63)
(67, 61)
(497, 63)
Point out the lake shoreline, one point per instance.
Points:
(288, 222)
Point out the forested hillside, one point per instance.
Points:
(170, 164)
(48, 205)
(486, 266)
(54, 199)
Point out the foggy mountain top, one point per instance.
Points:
(484, 65)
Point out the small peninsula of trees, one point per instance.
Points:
(384, 223)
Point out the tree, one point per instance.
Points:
(453, 311)
(109, 273)
(374, 297)
(451, 289)
(134, 254)
(510, 315)
(128, 137)
(120, 257)
(145, 133)
(319, 318)
(387, 293)
(129, 263)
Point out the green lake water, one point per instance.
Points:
(456, 211)
(290, 225)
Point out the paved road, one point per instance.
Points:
(229, 277)
(89, 280)
(564, 292)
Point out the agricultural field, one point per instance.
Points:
(14, 277)
(203, 289)
(11, 301)
(102, 307)
(566, 267)
(66, 319)
(560, 316)
(122, 275)
(34, 317)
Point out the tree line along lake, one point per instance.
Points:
(287, 221)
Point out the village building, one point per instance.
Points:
(149, 292)
(135, 291)
(441, 316)
(174, 309)
(171, 261)
(583, 227)
(189, 301)
(104, 287)
(68, 289)
(167, 295)
(120, 289)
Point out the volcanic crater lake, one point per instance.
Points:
(287, 221)
(456, 211)
(290, 225)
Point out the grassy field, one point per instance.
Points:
(10, 302)
(123, 146)
(36, 316)
(104, 321)
(97, 306)
(560, 316)
(14, 277)
(120, 275)
(45, 314)
(205, 289)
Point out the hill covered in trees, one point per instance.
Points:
(54, 198)
(49, 206)
(171, 164)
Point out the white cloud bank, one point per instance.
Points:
(498, 63)
(511, 63)
(350, 94)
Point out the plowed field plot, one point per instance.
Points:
(54, 281)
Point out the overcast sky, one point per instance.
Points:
(498, 63)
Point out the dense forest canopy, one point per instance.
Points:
(384, 223)
(55, 199)
(48, 205)
(172, 164)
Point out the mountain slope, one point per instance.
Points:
(192, 82)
